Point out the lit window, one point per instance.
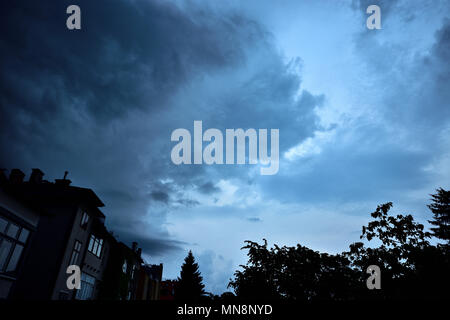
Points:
(95, 245)
(84, 219)
(24, 235)
(87, 287)
(124, 266)
(12, 242)
(12, 231)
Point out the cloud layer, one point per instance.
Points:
(363, 115)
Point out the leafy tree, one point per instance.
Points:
(293, 273)
(189, 286)
(440, 207)
(401, 242)
(410, 266)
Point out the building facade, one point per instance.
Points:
(168, 289)
(18, 224)
(122, 272)
(45, 227)
(149, 282)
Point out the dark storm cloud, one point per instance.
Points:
(102, 101)
(67, 95)
(187, 202)
(164, 197)
(441, 49)
(208, 188)
(154, 246)
(128, 55)
(160, 196)
(438, 60)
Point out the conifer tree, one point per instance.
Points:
(190, 286)
(440, 207)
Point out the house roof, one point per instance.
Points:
(49, 193)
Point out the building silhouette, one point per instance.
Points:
(46, 227)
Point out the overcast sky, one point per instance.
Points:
(363, 116)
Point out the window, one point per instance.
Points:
(84, 219)
(95, 245)
(132, 271)
(12, 230)
(87, 287)
(24, 235)
(75, 252)
(12, 242)
(124, 266)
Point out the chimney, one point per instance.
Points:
(16, 176)
(63, 181)
(134, 246)
(36, 176)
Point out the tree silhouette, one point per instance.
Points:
(440, 207)
(403, 243)
(189, 286)
(411, 267)
(293, 273)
